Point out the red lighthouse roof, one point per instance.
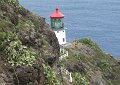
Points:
(57, 14)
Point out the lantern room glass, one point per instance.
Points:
(57, 23)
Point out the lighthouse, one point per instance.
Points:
(57, 26)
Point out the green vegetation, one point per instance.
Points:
(79, 79)
(90, 43)
(104, 66)
(11, 2)
(50, 76)
(18, 54)
(13, 21)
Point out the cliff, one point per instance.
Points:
(26, 44)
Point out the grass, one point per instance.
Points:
(90, 43)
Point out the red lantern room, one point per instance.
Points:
(57, 14)
(57, 20)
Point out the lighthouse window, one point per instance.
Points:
(63, 39)
(58, 23)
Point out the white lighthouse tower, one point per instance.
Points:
(58, 26)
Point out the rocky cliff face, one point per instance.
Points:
(26, 42)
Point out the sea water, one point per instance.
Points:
(96, 19)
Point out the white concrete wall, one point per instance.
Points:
(60, 35)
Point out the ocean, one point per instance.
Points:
(96, 19)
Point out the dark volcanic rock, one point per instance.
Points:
(24, 75)
(6, 77)
(109, 76)
(75, 66)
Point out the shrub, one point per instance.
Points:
(90, 43)
(15, 52)
(79, 79)
(50, 76)
(104, 66)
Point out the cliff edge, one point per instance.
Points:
(26, 44)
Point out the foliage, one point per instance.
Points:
(15, 3)
(11, 2)
(18, 54)
(90, 43)
(79, 79)
(50, 76)
(104, 66)
(30, 83)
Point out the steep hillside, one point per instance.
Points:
(26, 45)
(89, 65)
